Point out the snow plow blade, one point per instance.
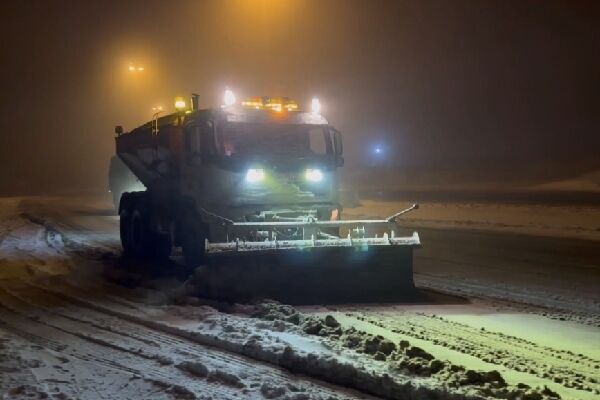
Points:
(332, 270)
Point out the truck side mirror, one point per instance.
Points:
(118, 130)
(337, 143)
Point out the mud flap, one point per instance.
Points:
(310, 275)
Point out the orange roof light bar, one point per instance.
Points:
(277, 104)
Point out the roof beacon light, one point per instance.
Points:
(315, 106)
(179, 104)
(253, 102)
(228, 98)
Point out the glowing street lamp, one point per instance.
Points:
(378, 154)
(133, 68)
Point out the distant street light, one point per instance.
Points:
(377, 156)
(136, 68)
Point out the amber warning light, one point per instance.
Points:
(276, 104)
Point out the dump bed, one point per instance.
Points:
(153, 157)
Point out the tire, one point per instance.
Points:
(161, 246)
(124, 227)
(139, 234)
(193, 243)
(137, 239)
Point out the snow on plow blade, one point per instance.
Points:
(311, 271)
(306, 244)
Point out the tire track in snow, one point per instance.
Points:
(565, 367)
(62, 315)
(36, 327)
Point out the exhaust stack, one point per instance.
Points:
(195, 100)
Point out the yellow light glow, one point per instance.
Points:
(276, 104)
(131, 68)
(180, 104)
(253, 102)
(140, 68)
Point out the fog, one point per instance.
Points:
(437, 85)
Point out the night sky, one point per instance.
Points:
(439, 84)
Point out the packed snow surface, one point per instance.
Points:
(77, 321)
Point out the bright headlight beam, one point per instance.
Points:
(254, 175)
(314, 175)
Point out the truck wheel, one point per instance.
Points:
(161, 246)
(139, 234)
(193, 245)
(193, 252)
(124, 227)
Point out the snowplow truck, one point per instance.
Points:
(249, 194)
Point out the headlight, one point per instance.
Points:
(254, 175)
(314, 175)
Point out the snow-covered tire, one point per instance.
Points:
(193, 243)
(161, 246)
(139, 234)
(124, 227)
(193, 252)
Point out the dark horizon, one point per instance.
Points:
(452, 85)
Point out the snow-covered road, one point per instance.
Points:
(67, 333)
(75, 324)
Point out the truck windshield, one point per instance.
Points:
(273, 139)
